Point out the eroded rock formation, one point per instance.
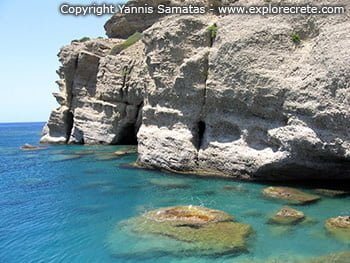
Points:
(246, 101)
(101, 95)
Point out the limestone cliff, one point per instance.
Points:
(246, 101)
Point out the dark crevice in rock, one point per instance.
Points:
(138, 122)
(127, 69)
(70, 123)
(199, 129)
(69, 79)
(206, 73)
(200, 133)
(76, 62)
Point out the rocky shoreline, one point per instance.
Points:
(228, 95)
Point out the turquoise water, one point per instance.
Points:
(57, 209)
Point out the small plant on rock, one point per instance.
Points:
(213, 30)
(296, 38)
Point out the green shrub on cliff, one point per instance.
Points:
(296, 38)
(213, 30)
(127, 43)
(83, 39)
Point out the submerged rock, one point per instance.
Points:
(339, 257)
(280, 230)
(339, 227)
(65, 157)
(169, 183)
(199, 229)
(132, 165)
(29, 147)
(93, 171)
(331, 192)
(205, 193)
(105, 156)
(84, 152)
(287, 216)
(235, 188)
(289, 195)
(126, 151)
(122, 153)
(253, 213)
(105, 187)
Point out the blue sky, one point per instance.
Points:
(32, 33)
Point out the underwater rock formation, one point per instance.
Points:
(29, 147)
(235, 188)
(331, 192)
(339, 257)
(199, 229)
(240, 99)
(336, 257)
(169, 183)
(339, 227)
(121, 153)
(289, 195)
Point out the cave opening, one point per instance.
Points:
(128, 135)
(200, 133)
(127, 132)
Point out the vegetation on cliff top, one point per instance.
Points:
(81, 40)
(127, 43)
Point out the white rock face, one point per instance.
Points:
(250, 103)
(267, 108)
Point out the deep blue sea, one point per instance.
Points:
(63, 204)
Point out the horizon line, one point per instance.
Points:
(19, 122)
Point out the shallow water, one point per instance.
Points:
(60, 205)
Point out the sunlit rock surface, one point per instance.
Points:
(287, 216)
(196, 229)
(339, 227)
